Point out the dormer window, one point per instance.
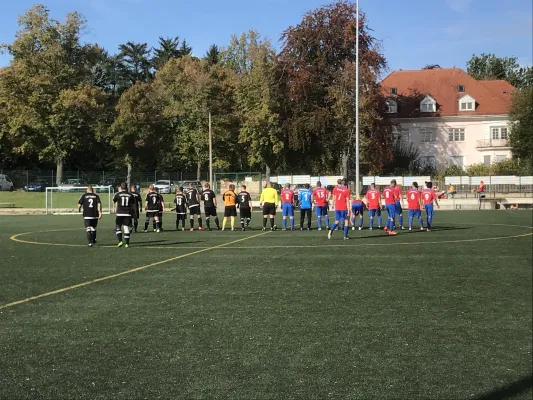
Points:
(428, 105)
(461, 88)
(392, 106)
(393, 90)
(467, 103)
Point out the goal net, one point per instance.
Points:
(63, 200)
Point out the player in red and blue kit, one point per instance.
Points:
(388, 195)
(398, 201)
(320, 200)
(429, 196)
(287, 206)
(341, 203)
(358, 208)
(373, 203)
(414, 203)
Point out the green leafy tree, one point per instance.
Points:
(488, 66)
(478, 169)
(51, 109)
(521, 125)
(317, 63)
(454, 170)
(511, 166)
(168, 50)
(185, 49)
(136, 59)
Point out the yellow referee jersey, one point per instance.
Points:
(269, 195)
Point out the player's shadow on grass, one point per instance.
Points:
(442, 228)
(509, 391)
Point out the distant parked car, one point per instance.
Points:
(37, 186)
(195, 184)
(70, 185)
(5, 183)
(165, 186)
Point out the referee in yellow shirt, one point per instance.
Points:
(269, 201)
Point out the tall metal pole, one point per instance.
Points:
(210, 152)
(357, 179)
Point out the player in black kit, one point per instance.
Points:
(210, 206)
(244, 203)
(181, 209)
(92, 212)
(193, 202)
(161, 211)
(137, 207)
(152, 208)
(124, 210)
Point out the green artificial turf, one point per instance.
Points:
(445, 314)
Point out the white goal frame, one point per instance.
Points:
(101, 190)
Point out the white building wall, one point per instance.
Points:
(476, 129)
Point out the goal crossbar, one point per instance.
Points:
(73, 194)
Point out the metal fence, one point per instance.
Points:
(22, 178)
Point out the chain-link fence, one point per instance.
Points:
(22, 179)
(252, 180)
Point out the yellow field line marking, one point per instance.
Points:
(130, 271)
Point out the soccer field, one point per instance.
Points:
(445, 314)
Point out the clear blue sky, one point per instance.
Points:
(413, 32)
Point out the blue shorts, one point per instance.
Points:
(414, 213)
(321, 211)
(341, 215)
(373, 213)
(398, 207)
(429, 209)
(391, 210)
(287, 210)
(357, 210)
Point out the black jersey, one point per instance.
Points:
(161, 202)
(208, 197)
(243, 199)
(192, 198)
(125, 203)
(181, 204)
(152, 200)
(89, 203)
(137, 200)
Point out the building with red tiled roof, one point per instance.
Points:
(451, 117)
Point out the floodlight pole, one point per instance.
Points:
(357, 188)
(210, 152)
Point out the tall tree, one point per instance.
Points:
(521, 118)
(488, 66)
(49, 69)
(317, 62)
(258, 99)
(185, 49)
(136, 59)
(212, 55)
(168, 49)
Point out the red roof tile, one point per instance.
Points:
(492, 97)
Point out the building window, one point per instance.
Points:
(460, 88)
(467, 103)
(499, 132)
(429, 162)
(428, 134)
(428, 104)
(466, 106)
(400, 135)
(456, 135)
(392, 106)
(393, 90)
(486, 160)
(457, 160)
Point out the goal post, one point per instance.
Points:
(63, 200)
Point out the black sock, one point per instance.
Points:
(217, 222)
(136, 224)
(242, 222)
(248, 221)
(200, 222)
(146, 223)
(127, 238)
(183, 222)
(94, 236)
(161, 221)
(272, 222)
(89, 236)
(208, 222)
(119, 236)
(177, 223)
(192, 222)
(264, 222)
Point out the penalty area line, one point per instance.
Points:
(129, 271)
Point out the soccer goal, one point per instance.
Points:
(63, 200)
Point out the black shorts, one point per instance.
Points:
(195, 210)
(152, 213)
(123, 220)
(230, 211)
(210, 211)
(180, 217)
(245, 212)
(135, 214)
(269, 209)
(91, 223)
